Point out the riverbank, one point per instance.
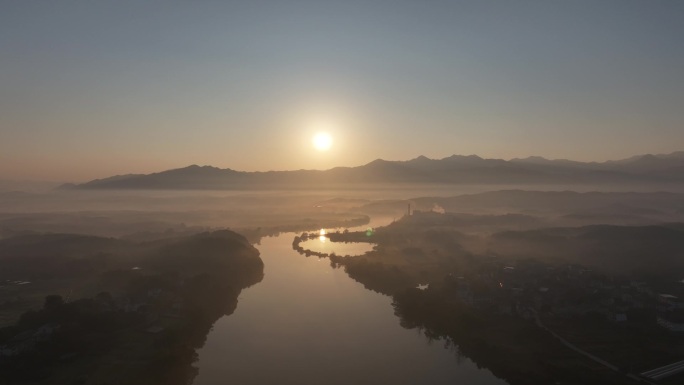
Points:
(309, 324)
(148, 331)
(460, 306)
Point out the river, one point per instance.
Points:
(307, 323)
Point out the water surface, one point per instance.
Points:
(307, 323)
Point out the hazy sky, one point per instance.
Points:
(95, 88)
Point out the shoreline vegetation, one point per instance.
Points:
(484, 306)
(131, 302)
(144, 326)
(254, 235)
(140, 320)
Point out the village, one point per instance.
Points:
(568, 291)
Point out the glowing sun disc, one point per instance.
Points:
(322, 141)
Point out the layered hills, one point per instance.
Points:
(456, 169)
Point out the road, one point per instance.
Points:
(584, 352)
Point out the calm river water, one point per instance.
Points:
(307, 323)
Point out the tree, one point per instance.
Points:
(52, 302)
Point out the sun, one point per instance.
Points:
(322, 141)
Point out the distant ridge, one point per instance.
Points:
(455, 169)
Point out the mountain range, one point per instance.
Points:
(456, 169)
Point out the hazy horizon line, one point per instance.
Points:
(354, 166)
